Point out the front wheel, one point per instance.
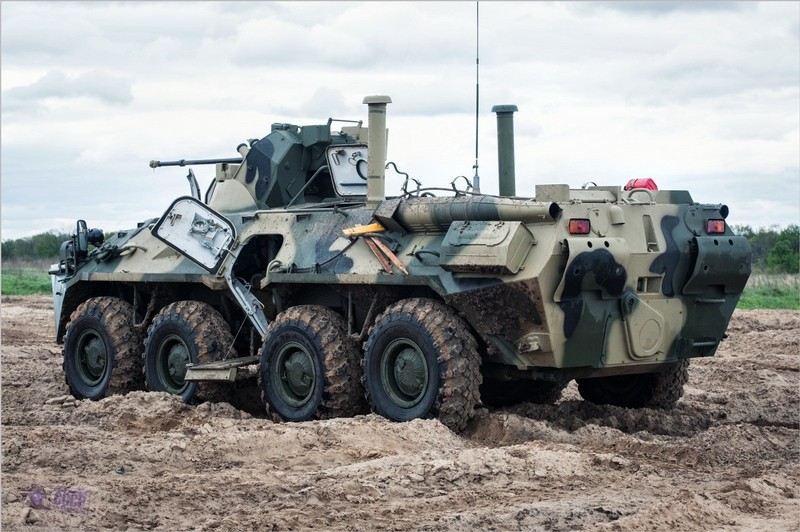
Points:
(650, 390)
(310, 367)
(420, 361)
(182, 333)
(102, 349)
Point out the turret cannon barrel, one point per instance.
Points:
(192, 162)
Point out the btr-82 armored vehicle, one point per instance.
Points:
(414, 306)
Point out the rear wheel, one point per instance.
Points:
(182, 333)
(310, 367)
(102, 349)
(651, 390)
(421, 361)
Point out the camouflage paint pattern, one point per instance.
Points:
(645, 285)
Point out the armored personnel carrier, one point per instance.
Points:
(293, 265)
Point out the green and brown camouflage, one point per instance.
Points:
(614, 286)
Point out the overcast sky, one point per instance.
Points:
(698, 96)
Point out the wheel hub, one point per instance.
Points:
(172, 358)
(404, 372)
(298, 373)
(91, 358)
(176, 361)
(95, 357)
(409, 372)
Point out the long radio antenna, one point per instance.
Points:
(476, 180)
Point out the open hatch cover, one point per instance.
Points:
(196, 231)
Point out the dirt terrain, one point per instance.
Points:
(725, 459)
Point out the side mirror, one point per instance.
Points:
(81, 240)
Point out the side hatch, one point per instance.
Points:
(196, 231)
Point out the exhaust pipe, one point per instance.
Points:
(505, 148)
(376, 152)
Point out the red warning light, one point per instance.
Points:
(641, 182)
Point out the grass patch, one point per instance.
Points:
(25, 278)
(765, 291)
(25, 283)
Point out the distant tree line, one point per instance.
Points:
(774, 250)
(37, 247)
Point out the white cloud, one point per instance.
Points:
(56, 85)
(705, 97)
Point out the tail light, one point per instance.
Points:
(579, 226)
(715, 227)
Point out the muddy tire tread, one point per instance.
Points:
(342, 393)
(458, 359)
(651, 390)
(117, 316)
(668, 386)
(212, 336)
(500, 394)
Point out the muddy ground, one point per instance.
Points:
(725, 459)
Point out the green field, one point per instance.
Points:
(25, 278)
(779, 291)
(764, 291)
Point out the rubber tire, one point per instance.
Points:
(449, 353)
(318, 336)
(110, 321)
(509, 393)
(647, 390)
(202, 332)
